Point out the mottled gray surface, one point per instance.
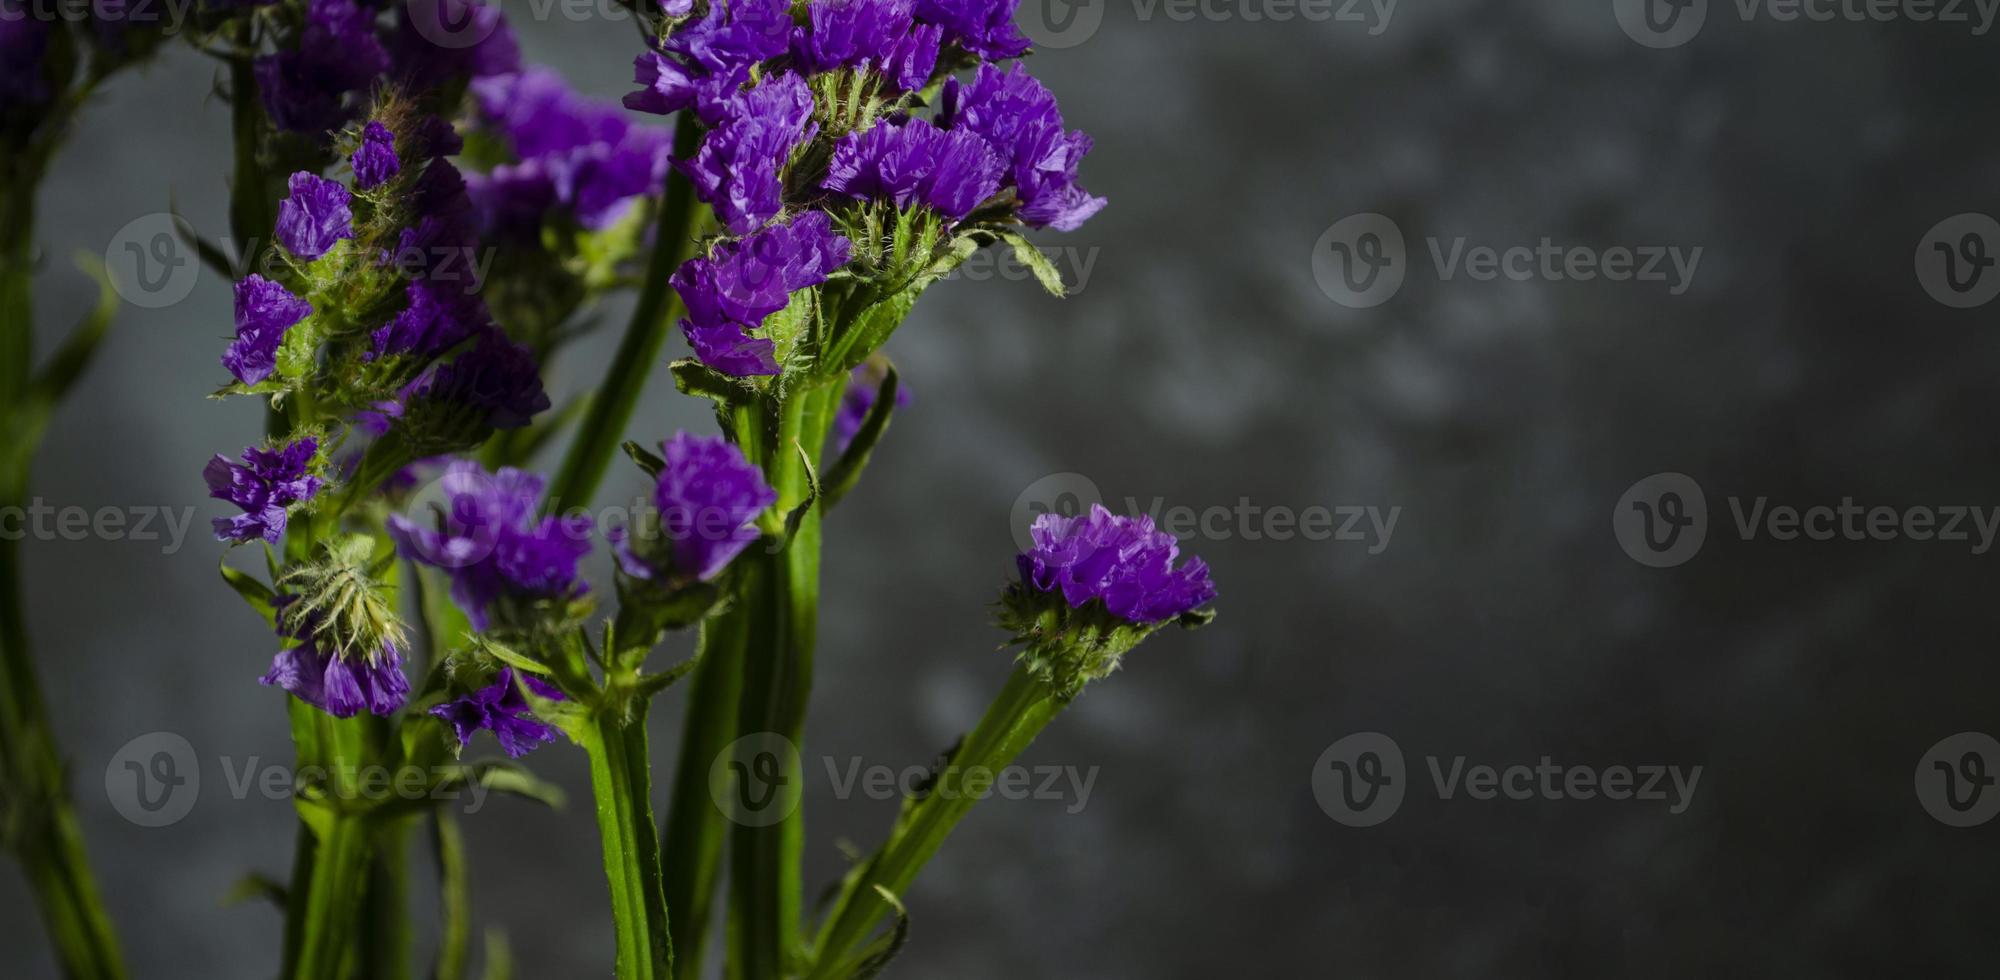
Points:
(1202, 365)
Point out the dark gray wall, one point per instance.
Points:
(1203, 365)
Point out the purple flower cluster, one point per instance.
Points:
(341, 686)
(708, 497)
(580, 153)
(24, 40)
(305, 88)
(1122, 562)
(266, 485)
(983, 27)
(435, 321)
(491, 543)
(732, 291)
(502, 709)
(881, 35)
(1017, 115)
(314, 217)
(264, 311)
(737, 170)
(703, 63)
(375, 161)
(857, 402)
(914, 162)
(438, 40)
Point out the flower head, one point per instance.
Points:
(733, 290)
(874, 34)
(341, 686)
(434, 322)
(1020, 119)
(703, 63)
(267, 484)
(496, 384)
(264, 311)
(314, 217)
(582, 153)
(304, 89)
(737, 170)
(914, 162)
(502, 709)
(375, 161)
(708, 497)
(490, 541)
(1123, 562)
(440, 40)
(983, 27)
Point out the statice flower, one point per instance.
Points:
(496, 384)
(455, 39)
(914, 162)
(304, 88)
(24, 41)
(502, 709)
(1020, 118)
(435, 321)
(341, 685)
(267, 484)
(1123, 562)
(489, 539)
(733, 290)
(983, 27)
(314, 217)
(576, 151)
(264, 311)
(881, 35)
(737, 170)
(708, 497)
(859, 399)
(375, 161)
(703, 63)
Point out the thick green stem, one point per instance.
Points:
(696, 827)
(387, 941)
(454, 897)
(1025, 707)
(766, 941)
(603, 428)
(621, 780)
(331, 902)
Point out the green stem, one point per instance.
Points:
(603, 428)
(777, 684)
(696, 827)
(454, 896)
(387, 942)
(332, 900)
(621, 780)
(1025, 707)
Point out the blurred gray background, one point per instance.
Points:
(1201, 365)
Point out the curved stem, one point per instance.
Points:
(620, 778)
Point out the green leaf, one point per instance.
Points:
(1038, 263)
(652, 464)
(259, 596)
(889, 947)
(847, 470)
(798, 514)
(698, 380)
(652, 684)
(251, 887)
(218, 261)
(1196, 619)
(69, 363)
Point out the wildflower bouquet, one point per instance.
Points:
(431, 222)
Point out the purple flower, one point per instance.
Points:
(264, 311)
(737, 169)
(1020, 118)
(314, 217)
(497, 378)
(24, 40)
(733, 290)
(983, 27)
(304, 88)
(489, 540)
(340, 686)
(375, 159)
(1121, 561)
(438, 41)
(580, 152)
(266, 485)
(703, 63)
(502, 709)
(858, 401)
(914, 162)
(431, 324)
(708, 497)
(873, 34)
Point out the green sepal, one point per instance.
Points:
(847, 470)
(1038, 263)
(652, 464)
(698, 380)
(259, 596)
(212, 255)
